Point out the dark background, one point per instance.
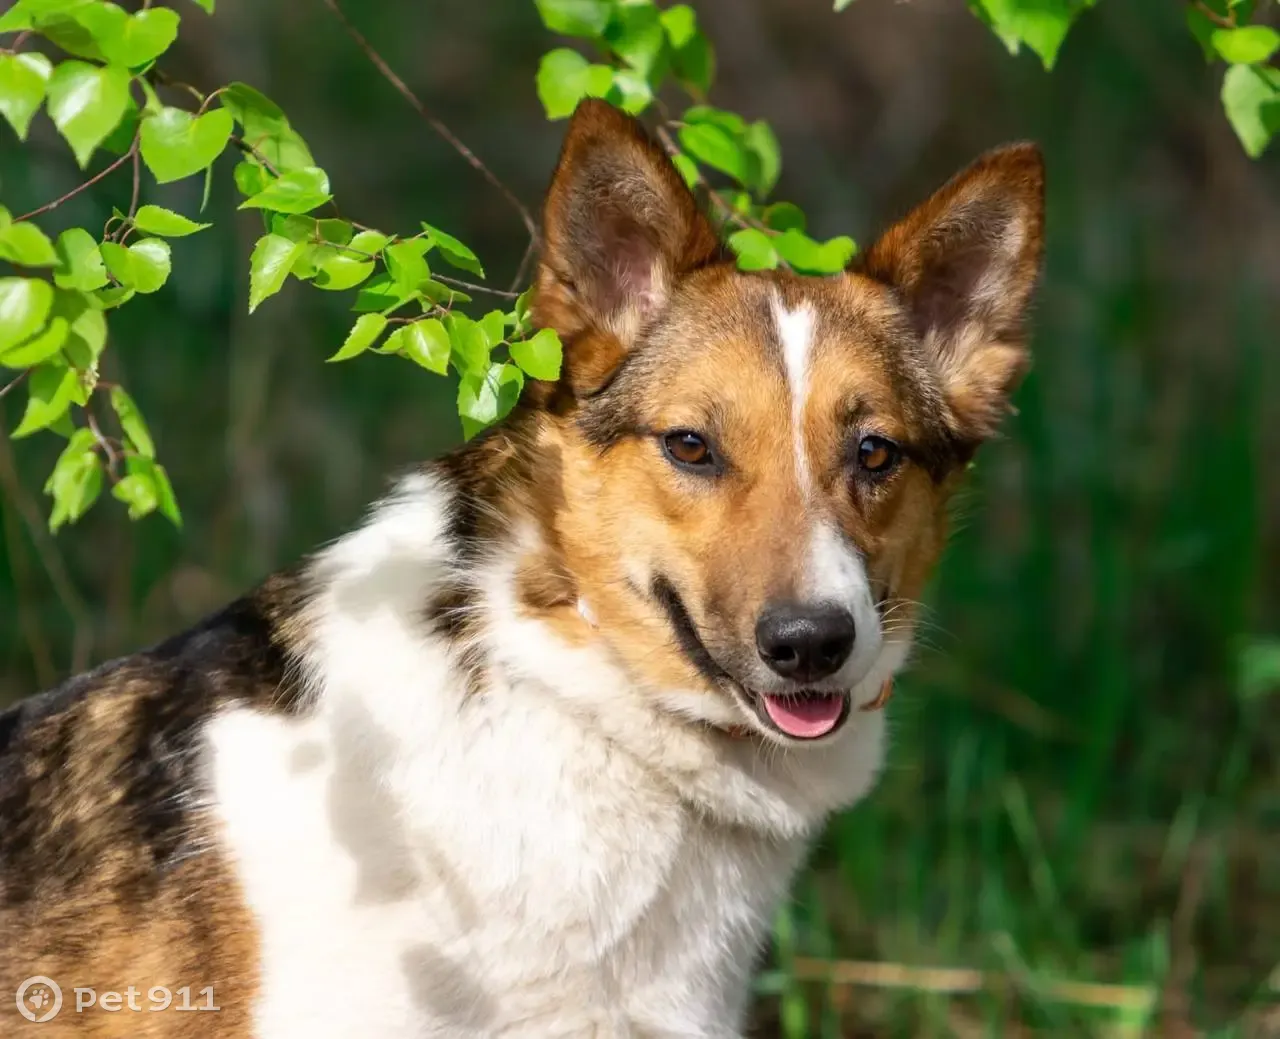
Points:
(1082, 788)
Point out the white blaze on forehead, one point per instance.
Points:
(795, 332)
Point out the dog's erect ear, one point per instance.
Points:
(965, 263)
(620, 227)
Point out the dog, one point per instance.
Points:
(537, 749)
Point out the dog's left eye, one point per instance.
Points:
(688, 450)
(876, 455)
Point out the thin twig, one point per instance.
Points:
(473, 286)
(137, 182)
(126, 157)
(1219, 20)
(13, 383)
(435, 124)
(249, 149)
(731, 213)
(17, 43)
(165, 80)
(529, 251)
(113, 459)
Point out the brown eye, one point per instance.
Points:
(687, 450)
(876, 455)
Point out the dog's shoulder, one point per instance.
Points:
(108, 759)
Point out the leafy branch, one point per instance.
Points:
(53, 327)
(101, 93)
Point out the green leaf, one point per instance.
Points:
(364, 333)
(205, 5)
(16, 19)
(165, 500)
(345, 268)
(405, 261)
(132, 422)
(23, 79)
(1249, 45)
(444, 295)
(342, 271)
(87, 331)
(250, 177)
(86, 102)
(807, 256)
(79, 263)
(24, 308)
(76, 480)
(424, 342)
(266, 129)
(129, 39)
(539, 356)
(840, 5)
(143, 266)
(680, 23)
(298, 191)
(630, 92)
(695, 65)
(113, 296)
(469, 345)
(1251, 98)
(51, 389)
(1202, 27)
(484, 399)
(269, 265)
(26, 245)
(710, 144)
(636, 35)
(58, 24)
(688, 169)
(382, 293)
(754, 250)
(764, 145)
(1041, 24)
(138, 491)
(494, 327)
(565, 78)
(38, 349)
(586, 18)
(784, 216)
(155, 220)
(176, 144)
(561, 82)
(120, 140)
(730, 122)
(453, 250)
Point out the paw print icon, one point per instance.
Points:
(39, 999)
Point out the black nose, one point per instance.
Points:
(805, 643)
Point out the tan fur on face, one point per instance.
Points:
(920, 344)
(733, 543)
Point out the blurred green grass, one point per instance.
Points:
(1079, 789)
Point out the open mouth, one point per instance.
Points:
(803, 715)
(807, 715)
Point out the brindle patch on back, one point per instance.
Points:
(110, 873)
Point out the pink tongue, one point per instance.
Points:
(805, 717)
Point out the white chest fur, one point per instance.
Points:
(552, 857)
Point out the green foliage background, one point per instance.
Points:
(1084, 783)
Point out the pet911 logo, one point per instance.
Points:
(40, 999)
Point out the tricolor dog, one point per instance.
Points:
(536, 750)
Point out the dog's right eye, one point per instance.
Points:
(688, 450)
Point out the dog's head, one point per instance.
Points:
(756, 467)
